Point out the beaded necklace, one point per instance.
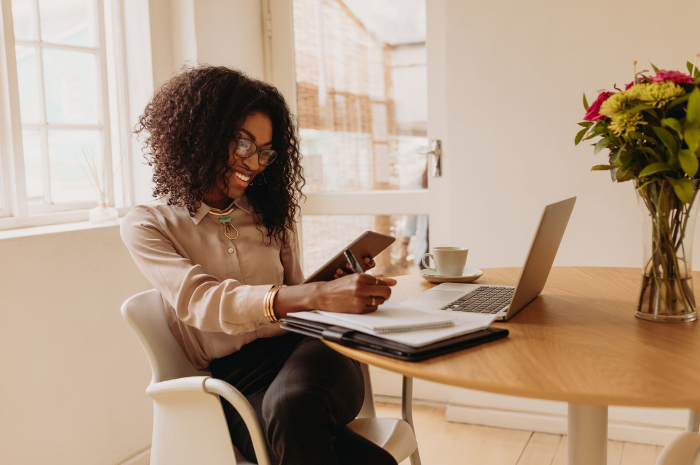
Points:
(225, 220)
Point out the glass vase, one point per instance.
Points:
(102, 213)
(667, 281)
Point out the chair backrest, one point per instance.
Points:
(146, 315)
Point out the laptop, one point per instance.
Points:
(506, 301)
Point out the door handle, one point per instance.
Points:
(435, 153)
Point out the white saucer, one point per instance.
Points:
(469, 275)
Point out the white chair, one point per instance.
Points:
(189, 426)
(683, 449)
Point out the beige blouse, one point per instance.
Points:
(212, 287)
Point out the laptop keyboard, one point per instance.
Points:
(482, 300)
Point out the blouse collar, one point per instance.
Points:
(241, 202)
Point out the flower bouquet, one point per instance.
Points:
(652, 132)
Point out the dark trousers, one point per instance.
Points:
(304, 395)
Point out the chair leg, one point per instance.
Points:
(693, 421)
(407, 412)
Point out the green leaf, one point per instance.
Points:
(690, 67)
(692, 138)
(613, 174)
(622, 175)
(580, 135)
(599, 129)
(648, 150)
(667, 138)
(603, 167)
(689, 162)
(585, 102)
(678, 101)
(586, 124)
(684, 189)
(642, 136)
(602, 143)
(656, 70)
(652, 112)
(615, 156)
(693, 115)
(641, 188)
(672, 123)
(641, 106)
(654, 168)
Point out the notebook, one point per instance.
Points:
(391, 317)
(462, 323)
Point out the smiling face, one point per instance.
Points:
(258, 128)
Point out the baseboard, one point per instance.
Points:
(557, 424)
(140, 458)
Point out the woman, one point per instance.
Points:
(220, 245)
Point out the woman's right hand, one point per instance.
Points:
(355, 293)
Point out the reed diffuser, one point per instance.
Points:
(98, 179)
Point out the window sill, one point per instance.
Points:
(53, 223)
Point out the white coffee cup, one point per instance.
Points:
(449, 261)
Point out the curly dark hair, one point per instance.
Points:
(189, 124)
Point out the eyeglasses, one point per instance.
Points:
(246, 148)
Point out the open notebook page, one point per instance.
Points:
(463, 323)
(391, 317)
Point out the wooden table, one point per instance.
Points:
(578, 342)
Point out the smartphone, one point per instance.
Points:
(368, 244)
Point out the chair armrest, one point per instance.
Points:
(190, 383)
(212, 386)
(234, 397)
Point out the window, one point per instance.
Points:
(57, 96)
(361, 89)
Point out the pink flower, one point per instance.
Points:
(674, 76)
(630, 85)
(593, 112)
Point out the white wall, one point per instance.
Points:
(73, 373)
(215, 32)
(514, 75)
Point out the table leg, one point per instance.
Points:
(588, 435)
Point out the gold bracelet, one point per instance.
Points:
(272, 318)
(265, 300)
(269, 304)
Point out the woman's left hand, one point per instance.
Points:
(367, 264)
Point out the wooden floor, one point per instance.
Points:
(445, 443)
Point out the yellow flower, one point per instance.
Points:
(625, 122)
(660, 93)
(613, 105)
(638, 92)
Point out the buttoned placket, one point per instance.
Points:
(233, 265)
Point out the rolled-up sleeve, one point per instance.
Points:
(199, 299)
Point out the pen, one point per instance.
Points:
(352, 261)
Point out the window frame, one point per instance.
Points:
(15, 212)
(278, 40)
